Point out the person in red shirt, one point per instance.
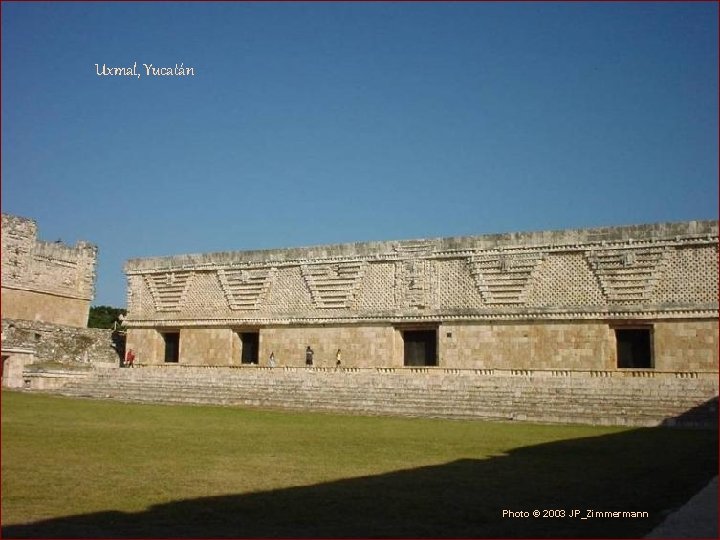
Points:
(130, 358)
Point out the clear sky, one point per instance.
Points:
(316, 123)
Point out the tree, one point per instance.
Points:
(104, 316)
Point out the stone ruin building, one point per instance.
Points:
(615, 326)
(626, 298)
(47, 282)
(47, 288)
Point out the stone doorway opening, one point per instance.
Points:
(172, 347)
(634, 347)
(420, 347)
(250, 351)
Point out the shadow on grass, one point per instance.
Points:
(652, 470)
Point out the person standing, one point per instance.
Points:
(271, 361)
(337, 359)
(130, 358)
(309, 356)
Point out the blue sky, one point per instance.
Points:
(315, 123)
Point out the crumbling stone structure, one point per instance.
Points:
(48, 282)
(595, 300)
(62, 345)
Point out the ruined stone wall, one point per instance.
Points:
(60, 344)
(526, 300)
(44, 281)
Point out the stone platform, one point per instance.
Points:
(625, 398)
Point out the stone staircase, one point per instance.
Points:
(603, 398)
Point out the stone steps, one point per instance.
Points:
(546, 399)
(435, 405)
(576, 395)
(549, 395)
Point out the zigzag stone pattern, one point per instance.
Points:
(628, 276)
(168, 290)
(246, 288)
(503, 278)
(644, 271)
(333, 285)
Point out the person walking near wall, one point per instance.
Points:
(130, 358)
(309, 356)
(337, 359)
(271, 360)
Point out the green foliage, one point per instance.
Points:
(104, 316)
(152, 471)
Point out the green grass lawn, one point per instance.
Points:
(82, 468)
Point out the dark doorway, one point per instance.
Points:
(634, 349)
(420, 347)
(172, 346)
(250, 347)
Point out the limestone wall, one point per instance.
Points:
(44, 281)
(549, 300)
(209, 346)
(148, 346)
(546, 345)
(44, 307)
(370, 346)
(677, 345)
(691, 345)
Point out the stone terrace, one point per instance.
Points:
(636, 398)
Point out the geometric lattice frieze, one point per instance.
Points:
(245, 288)
(503, 278)
(627, 276)
(456, 287)
(333, 285)
(690, 276)
(564, 279)
(168, 290)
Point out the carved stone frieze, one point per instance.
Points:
(47, 267)
(246, 288)
(666, 270)
(168, 290)
(333, 285)
(628, 275)
(415, 284)
(503, 278)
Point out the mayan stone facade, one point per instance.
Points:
(595, 299)
(45, 281)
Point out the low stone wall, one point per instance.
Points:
(61, 344)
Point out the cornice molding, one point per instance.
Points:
(600, 315)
